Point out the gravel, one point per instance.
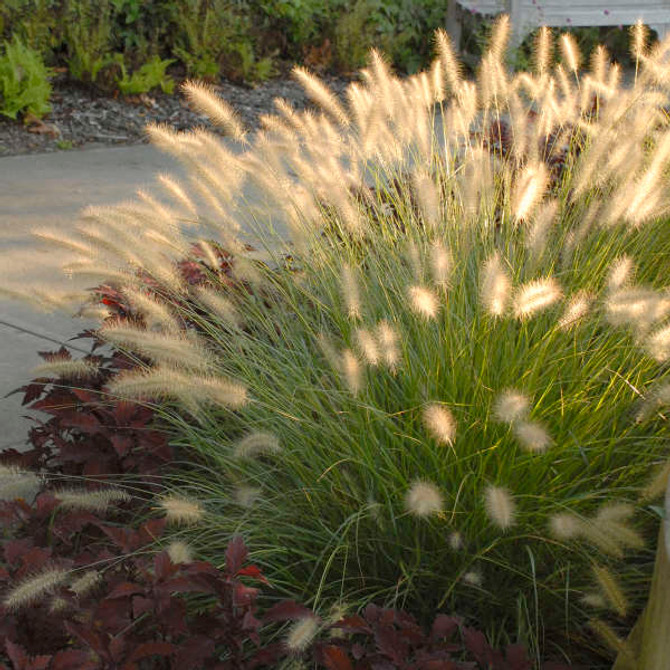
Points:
(81, 117)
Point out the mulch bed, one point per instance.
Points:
(82, 117)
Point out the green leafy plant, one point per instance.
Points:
(151, 75)
(88, 38)
(24, 81)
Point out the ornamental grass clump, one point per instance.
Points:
(428, 348)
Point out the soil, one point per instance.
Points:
(82, 117)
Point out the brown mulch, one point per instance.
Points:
(81, 117)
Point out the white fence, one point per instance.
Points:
(526, 15)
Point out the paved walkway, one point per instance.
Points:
(50, 189)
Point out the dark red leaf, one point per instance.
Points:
(74, 659)
(335, 658)
(153, 649)
(353, 624)
(517, 658)
(443, 627)
(124, 590)
(121, 443)
(236, 554)
(252, 571)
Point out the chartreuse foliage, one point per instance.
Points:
(436, 371)
(24, 81)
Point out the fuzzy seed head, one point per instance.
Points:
(533, 436)
(440, 423)
(536, 296)
(179, 552)
(367, 345)
(423, 301)
(388, 343)
(246, 496)
(594, 600)
(302, 633)
(511, 406)
(424, 499)
(565, 526)
(350, 292)
(181, 511)
(576, 310)
(611, 590)
(455, 541)
(570, 52)
(620, 273)
(16, 483)
(207, 102)
(441, 264)
(66, 368)
(34, 588)
(94, 501)
(658, 344)
(500, 507)
(257, 444)
(351, 369)
(495, 286)
(86, 583)
(473, 578)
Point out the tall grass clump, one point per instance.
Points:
(434, 367)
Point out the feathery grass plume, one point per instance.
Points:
(155, 312)
(218, 305)
(56, 239)
(499, 38)
(576, 309)
(611, 590)
(16, 483)
(367, 345)
(542, 221)
(437, 81)
(495, 286)
(473, 578)
(532, 435)
(657, 484)
(455, 541)
(34, 588)
(179, 552)
(451, 67)
(95, 501)
(594, 600)
(350, 292)
(565, 526)
(181, 511)
(66, 368)
(500, 506)
(603, 537)
(256, 444)
(441, 264)
(423, 301)
(320, 94)
(658, 344)
(246, 496)
(164, 137)
(610, 638)
(529, 189)
(653, 402)
(86, 583)
(536, 296)
(190, 389)
(302, 633)
(620, 273)
(388, 342)
(424, 499)
(205, 101)
(639, 34)
(351, 370)
(177, 349)
(542, 50)
(440, 423)
(638, 307)
(174, 188)
(511, 406)
(600, 60)
(427, 198)
(570, 52)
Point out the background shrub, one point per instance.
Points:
(24, 81)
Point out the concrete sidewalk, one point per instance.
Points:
(50, 189)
